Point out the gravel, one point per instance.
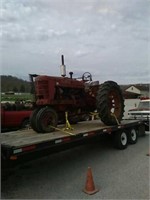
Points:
(118, 174)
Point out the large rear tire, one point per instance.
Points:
(110, 103)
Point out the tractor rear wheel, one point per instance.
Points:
(46, 120)
(110, 103)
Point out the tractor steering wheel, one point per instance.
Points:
(87, 76)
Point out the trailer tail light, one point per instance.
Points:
(13, 158)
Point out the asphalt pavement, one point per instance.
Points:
(118, 174)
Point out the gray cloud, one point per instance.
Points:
(108, 39)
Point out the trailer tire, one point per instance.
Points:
(46, 120)
(121, 140)
(110, 103)
(132, 136)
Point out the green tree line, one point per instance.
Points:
(11, 83)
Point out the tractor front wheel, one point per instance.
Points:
(46, 120)
(33, 122)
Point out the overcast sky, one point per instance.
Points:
(108, 38)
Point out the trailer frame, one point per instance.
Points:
(26, 145)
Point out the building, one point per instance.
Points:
(136, 91)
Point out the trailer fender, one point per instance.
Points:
(141, 130)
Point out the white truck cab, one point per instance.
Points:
(142, 112)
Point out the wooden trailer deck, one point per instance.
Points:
(26, 137)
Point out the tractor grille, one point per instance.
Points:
(42, 89)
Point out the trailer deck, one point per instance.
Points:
(22, 138)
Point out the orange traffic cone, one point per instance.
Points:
(90, 187)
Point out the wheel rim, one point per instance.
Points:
(123, 138)
(48, 119)
(114, 103)
(133, 134)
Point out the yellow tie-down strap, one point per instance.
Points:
(68, 125)
(67, 128)
(63, 130)
(94, 115)
(112, 114)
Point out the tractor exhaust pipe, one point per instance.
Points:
(62, 67)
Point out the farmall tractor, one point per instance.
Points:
(78, 97)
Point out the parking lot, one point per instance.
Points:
(118, 174)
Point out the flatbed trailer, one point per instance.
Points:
(23, 145)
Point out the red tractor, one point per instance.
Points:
(56, 95)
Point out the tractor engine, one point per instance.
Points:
(56, 95)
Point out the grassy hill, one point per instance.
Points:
(10, 83)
